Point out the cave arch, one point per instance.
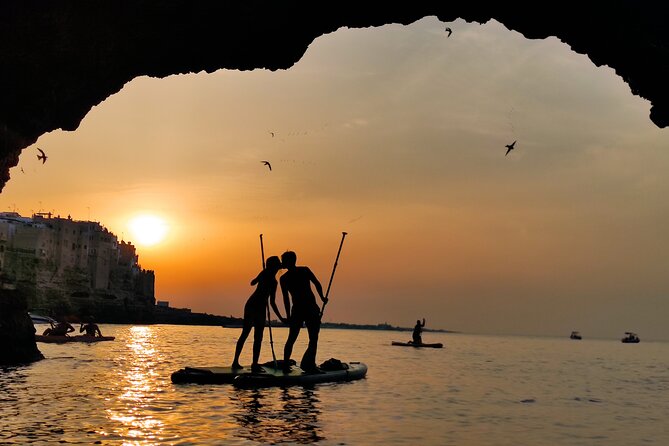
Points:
(61, 58)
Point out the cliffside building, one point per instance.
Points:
(70, 267)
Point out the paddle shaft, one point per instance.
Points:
(269, 318)
(334, 268)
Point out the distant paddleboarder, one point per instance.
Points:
(61, 328)
(254, 311)
(90, 327)
(417, 331)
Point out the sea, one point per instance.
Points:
(476, 390)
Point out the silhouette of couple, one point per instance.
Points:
(296, 283)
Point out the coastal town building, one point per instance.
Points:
(71, 267)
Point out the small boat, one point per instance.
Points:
(64, 339)
(630, 338)
(574, 335)
(411, 344)
(39, 319)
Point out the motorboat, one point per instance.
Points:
(630, 338)
(575, 335)
(39, 319)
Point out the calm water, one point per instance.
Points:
(477, 390)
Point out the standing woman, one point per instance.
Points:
(254, 311)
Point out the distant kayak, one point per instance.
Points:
(270, 376)
(411, 344)
(64, 339)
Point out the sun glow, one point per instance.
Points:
(148, 230)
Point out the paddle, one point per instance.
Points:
(327, 293)
(269, 317)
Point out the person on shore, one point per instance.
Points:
(254, 311)
(417, 331)
(296, 283)
(61, 328)
(91, 328)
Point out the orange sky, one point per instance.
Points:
(395, 135)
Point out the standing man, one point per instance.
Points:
(296, 283)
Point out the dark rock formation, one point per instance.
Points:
(59, 58)
(17, 332)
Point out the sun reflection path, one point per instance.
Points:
(131, 412)
(288, 415)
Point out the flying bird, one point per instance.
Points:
(266, 163)
(449, 31)
(43, 156)
(272, 133)
(509, 147)
(23, 171)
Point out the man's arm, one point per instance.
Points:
(423, 323)
(318, 286)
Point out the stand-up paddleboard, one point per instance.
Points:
(79, 338)
(411, 344)
(272, 377)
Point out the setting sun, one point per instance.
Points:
(148, 230)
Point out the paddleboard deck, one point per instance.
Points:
(65, 339)
(207, 375)
(270, 376)
(411, 344)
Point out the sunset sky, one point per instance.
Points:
(396, 135)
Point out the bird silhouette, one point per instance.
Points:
(43, 156)
(266, 163)
(272, 133)
(23, 171)
(509, 147)
(449, 31)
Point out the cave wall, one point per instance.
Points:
(59, 58)
(17, 332)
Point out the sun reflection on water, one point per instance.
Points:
(287, 415)
(131, 410)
